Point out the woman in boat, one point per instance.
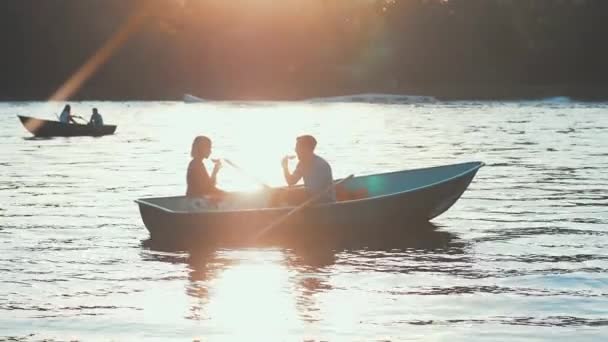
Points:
(66, 115)
(200, 184)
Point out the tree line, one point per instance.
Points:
(291, 49)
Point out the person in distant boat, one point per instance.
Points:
(200, 184)
(66, 115)
(315, 171)
(96, 119)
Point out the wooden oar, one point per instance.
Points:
(240, 169)
(308, 202)
(80, 117)
(74, 116)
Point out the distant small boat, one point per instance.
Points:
(48, 128)
(376, 98)
(192, 99)
(389, 198)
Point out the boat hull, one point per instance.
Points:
(342, 220)
(47, 128)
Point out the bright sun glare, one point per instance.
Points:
(252, 299)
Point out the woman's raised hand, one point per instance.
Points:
(217, 165)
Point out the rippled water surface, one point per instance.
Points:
(522, 255)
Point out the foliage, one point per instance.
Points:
(300, 48)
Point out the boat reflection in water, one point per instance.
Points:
(258, 291)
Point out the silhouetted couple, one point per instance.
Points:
(67, 117)
(315, 171)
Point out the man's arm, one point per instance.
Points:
(290, 178)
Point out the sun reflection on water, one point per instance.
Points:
(278, 293)
(250, 298)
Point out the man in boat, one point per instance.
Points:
(66, 115)
(200, 184)
(315, 171)
(96, 119)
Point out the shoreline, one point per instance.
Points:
(441, 92)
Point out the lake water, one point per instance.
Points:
(522, 256)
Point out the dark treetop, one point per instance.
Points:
(295, 49)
